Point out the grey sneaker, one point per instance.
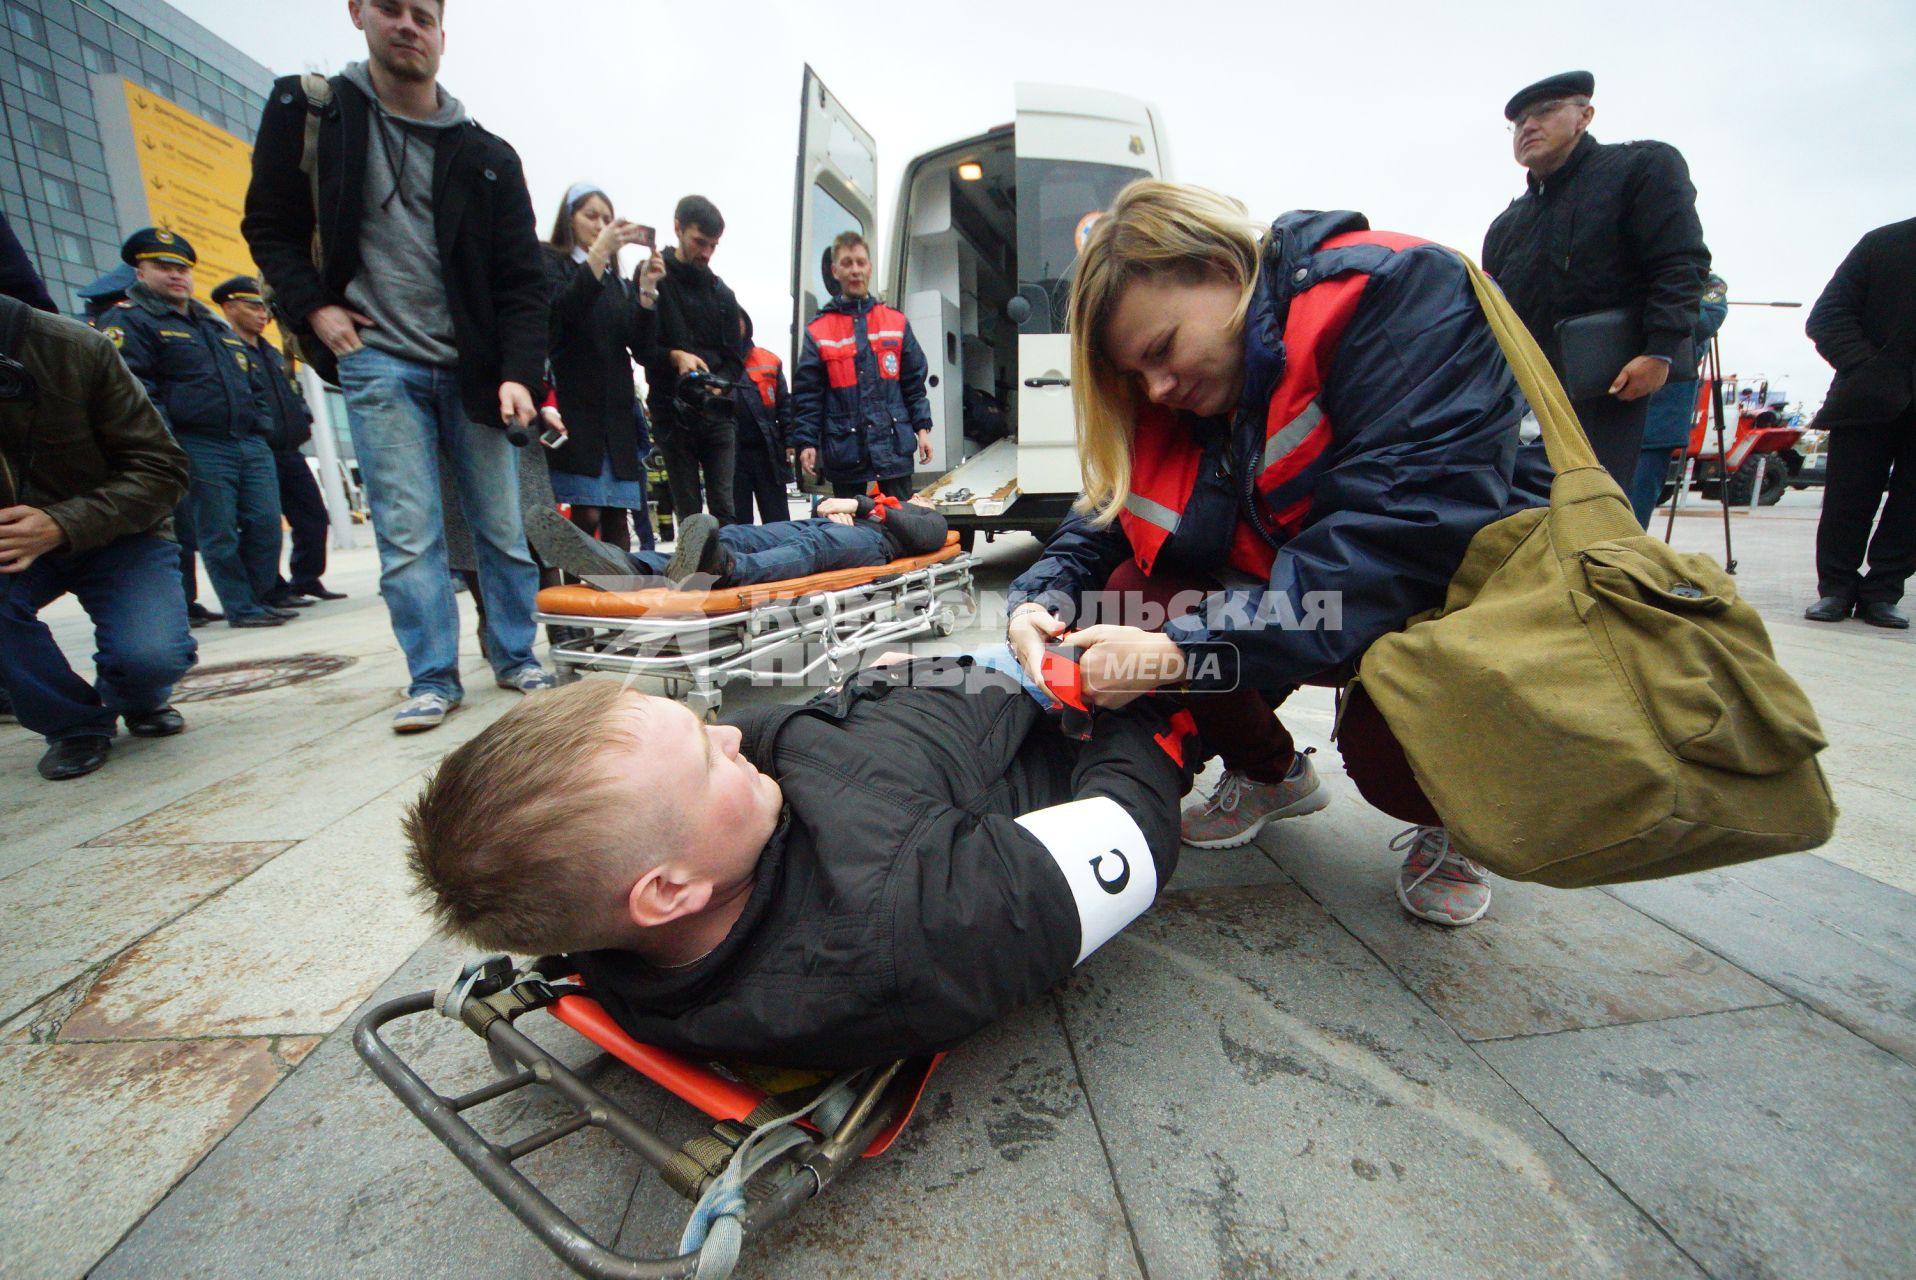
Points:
(528, 679)
(422, 711)
(1234, 813)
(1437, 883)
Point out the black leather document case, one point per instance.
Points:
(1593, 348)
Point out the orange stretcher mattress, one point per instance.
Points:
(710, 1092)
(589, 602)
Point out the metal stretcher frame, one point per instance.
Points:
(884, 1100)
(696, 655)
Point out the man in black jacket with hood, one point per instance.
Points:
(698, 329)
(1599, 228)
(431, 296)
(876, 873)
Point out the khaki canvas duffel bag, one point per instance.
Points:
(1589, 705)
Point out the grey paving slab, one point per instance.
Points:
(1767, 1142)
(61, 918)
(1000, 1174)
(1542, 960)
(1841, 942)
(1277, 1104)
(289, 950)
(330, 1176)
(95, 1134)
(1222, 868)
(149, 773)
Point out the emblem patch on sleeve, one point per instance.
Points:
(1105, 860)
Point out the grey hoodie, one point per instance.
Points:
(399, 283)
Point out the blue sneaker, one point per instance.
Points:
(423, 711)
(530, 678)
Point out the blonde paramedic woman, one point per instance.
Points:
(1288, 442)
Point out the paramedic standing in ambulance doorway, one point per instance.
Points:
(859, 407)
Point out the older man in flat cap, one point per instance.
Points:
(1607, 237)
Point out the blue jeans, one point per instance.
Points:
(789, 549)
(131, 590)
(406, 421)
(234, 495)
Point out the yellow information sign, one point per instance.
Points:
(194, 174)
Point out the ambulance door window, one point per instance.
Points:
(829, 218)
(1058, 202)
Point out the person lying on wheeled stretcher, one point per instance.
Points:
(874, 874)
(848, 533)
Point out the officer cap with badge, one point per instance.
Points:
(1568, 84)
(238, 289)
(155, 244)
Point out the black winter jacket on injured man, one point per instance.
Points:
(945, 856)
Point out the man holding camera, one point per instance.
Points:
(430, 295)
(698, 333)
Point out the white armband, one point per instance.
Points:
(1105, 860)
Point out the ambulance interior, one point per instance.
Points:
(958, 275)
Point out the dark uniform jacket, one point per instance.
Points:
(488, 249)
(699, 313)
(1864, 324)
(765, 405)
(197, 370)
(1615, 227)
(292, 420)
(1424, 453)
(864, 422)
(598, 329)
(89, 450)
(899, 907)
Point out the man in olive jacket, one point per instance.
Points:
(89, 476)
(1865, 326)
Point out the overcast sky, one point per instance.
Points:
(1797, 120)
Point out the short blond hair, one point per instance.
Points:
(1157, 229)
(524, 841)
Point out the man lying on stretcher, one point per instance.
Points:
(848, 533)
(876, 873)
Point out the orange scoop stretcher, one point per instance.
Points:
(781, 633)
(779, 1137)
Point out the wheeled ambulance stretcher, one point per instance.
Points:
(783, 633)
(779, 1137)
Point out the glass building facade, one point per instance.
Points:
(53, 171)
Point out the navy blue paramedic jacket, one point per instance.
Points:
(858, 395)
(1425, 453)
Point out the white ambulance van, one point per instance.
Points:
(983, 237)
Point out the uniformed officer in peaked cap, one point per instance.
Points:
(200, 376)
(156, 244)
(245, 306)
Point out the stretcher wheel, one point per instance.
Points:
(565, 673)
(944, 620)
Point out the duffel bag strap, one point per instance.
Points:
(1563, 437)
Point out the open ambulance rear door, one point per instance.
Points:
(1076, 149)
